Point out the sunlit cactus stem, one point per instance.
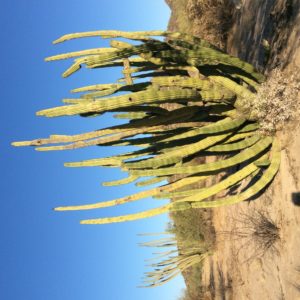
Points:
(173, 118)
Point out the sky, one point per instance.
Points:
(47, 254)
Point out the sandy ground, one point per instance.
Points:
(242, 267)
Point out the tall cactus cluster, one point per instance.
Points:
(174, 257)
(184, 99)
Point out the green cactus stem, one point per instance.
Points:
(180, 117)
(245, 155)
(264, 180)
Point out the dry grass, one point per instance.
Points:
(258, 232)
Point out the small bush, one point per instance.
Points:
(276, 101)
(258, 232)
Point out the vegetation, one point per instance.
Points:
(174, 259)
(275, 103)
(210, 118)
(194, 227)
(258, 232)
(199, 103)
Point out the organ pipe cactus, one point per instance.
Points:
(174, 257)
(182, 116)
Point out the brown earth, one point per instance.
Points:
(245, 265)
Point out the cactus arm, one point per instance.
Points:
(54, 139)
(217, 95)
(180, 194)
(119, 201)
(253, 190)
(103, 140)
(126, 180)
(150, 96)
(233, 86)
(183, 81)
(134, 61)
(131, 116)
(115, 89)
(144, 194)
(143, 142)
(99, 94)
(185, 112)
(96, 162)
(112, 160)
(80, 53)
(151, 181)
(130, 217)
(223, 125)
(93, 60)
(246, 131)
(238, 74)
(96, 87)
(138, 62)
(235, 146)
(239, 136)
(109, 34)
(249, 127)
(245, 155)
(209, 92)
(204, 193)
(210, 56)
(222, 185)
(117, 137)
(173, 156)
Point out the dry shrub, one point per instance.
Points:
(258, 234)
(264, 231)
(276, 101)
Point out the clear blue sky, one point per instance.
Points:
(46, 254)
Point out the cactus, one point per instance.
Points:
(120, 181)
(168, 264)
(151, 181)
(173, 156)
(183, 118)
(265, 179)
(245, 143)
(239, 158)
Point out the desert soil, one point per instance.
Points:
(242, 266)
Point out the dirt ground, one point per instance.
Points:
(245, 266)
